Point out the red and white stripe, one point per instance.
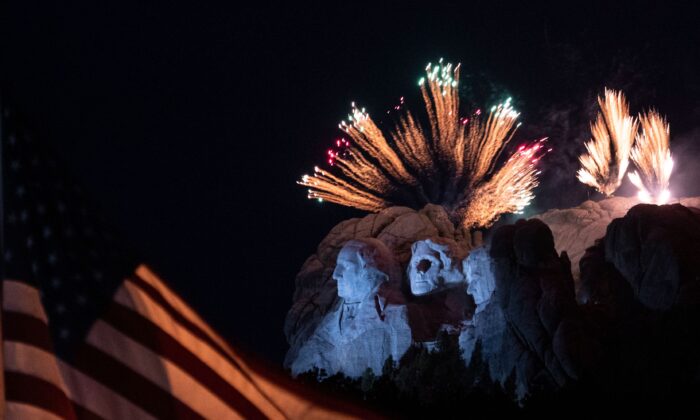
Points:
(149, 356)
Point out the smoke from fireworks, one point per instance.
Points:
(652, 156)
(451, 165)
(604, 165)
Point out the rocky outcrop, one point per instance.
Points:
(478, 269)
(435, 265)
(379, 329)
(629, 323)
(577, 228)
(657, 250)
(432, 314)
(530, 330)
(640, 289)
(397, 227)
(367, 325)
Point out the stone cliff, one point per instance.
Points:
(581, 295)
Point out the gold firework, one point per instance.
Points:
(605, 163)
(652, 156)
(452, 165)
(510, 189)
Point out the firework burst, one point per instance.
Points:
(652, 156)
(605, 162)
(451, 164)
(510, 189)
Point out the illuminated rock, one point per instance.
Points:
(530, 329)
(437, 283)
(577, 228)
(435, 265)
(369, 322)
(514, 311)
(316, 292)
(478, 269)
(362, 266)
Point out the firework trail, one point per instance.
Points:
(510, 189)
(604, 164)
(652, 156)
(452, 164)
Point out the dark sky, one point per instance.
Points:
(189, 123)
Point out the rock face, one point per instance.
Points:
(368, 324)
(577, 228)
(397, 227)
(640, 287)
(657, 249)
(478, 269)
(386, 282)
(530, 329)
(435, 266)
(429, 315)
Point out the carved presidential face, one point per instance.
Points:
(358, 271)
(432, 268)
(478, 268)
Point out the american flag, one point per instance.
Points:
(90, 332)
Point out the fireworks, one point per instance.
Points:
(604, 165)
(652, 156)
(341, 147)
(510, 188)
(608, 153)
(452, 164)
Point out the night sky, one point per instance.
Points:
(190, 123)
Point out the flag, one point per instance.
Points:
(89, 331)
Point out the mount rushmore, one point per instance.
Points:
(605, 293)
